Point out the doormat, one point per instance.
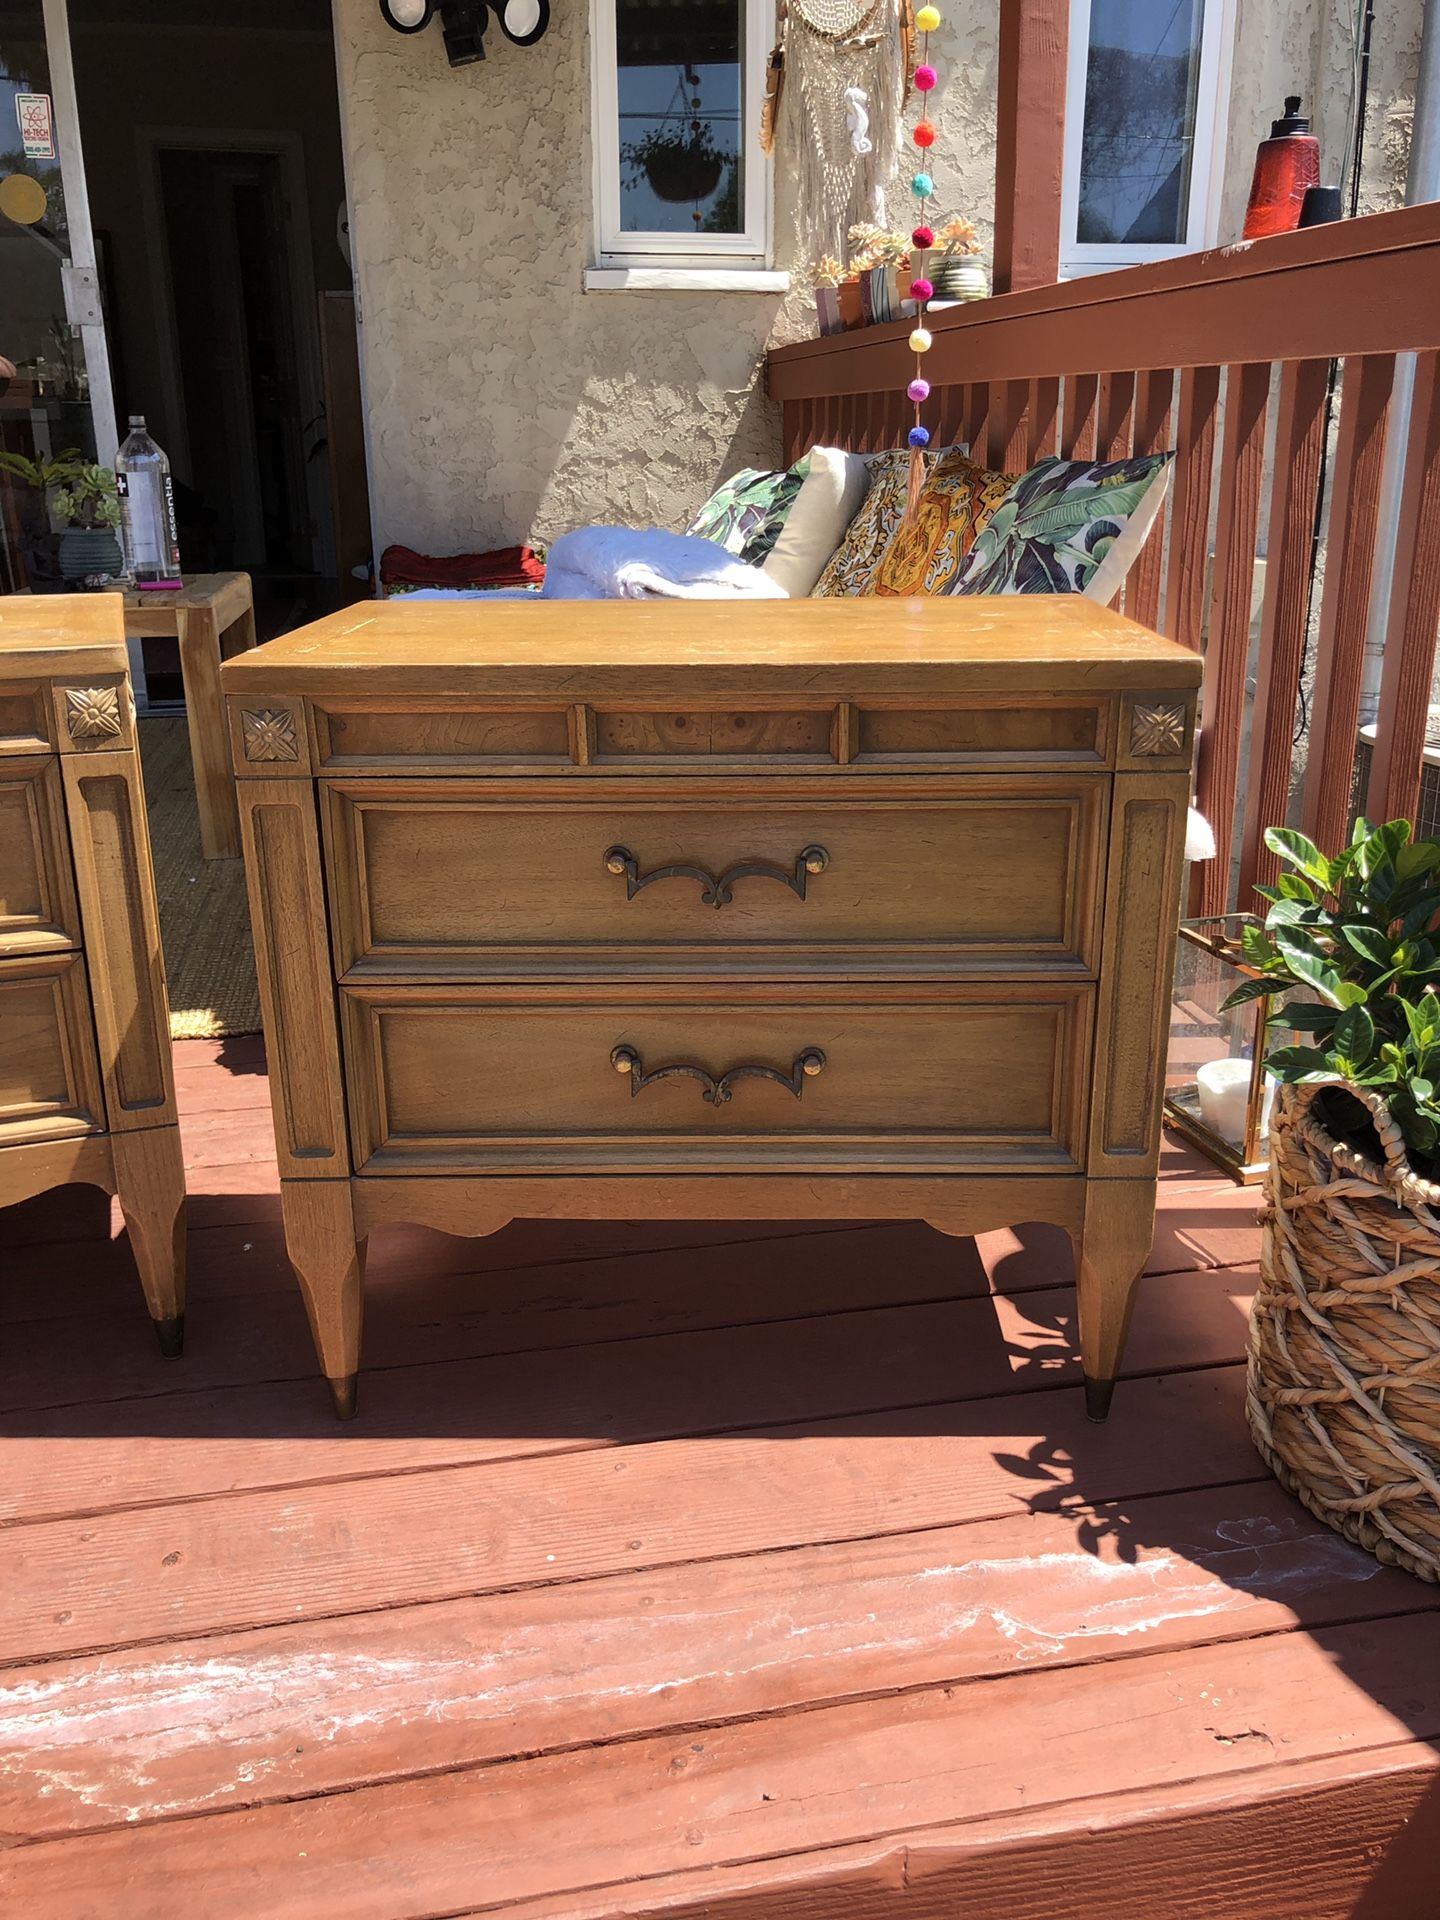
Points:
(204, 916)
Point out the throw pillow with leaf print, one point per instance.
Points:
(1069, 526)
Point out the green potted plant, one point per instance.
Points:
(37, 478)
(1344, 1380)
(87, 504)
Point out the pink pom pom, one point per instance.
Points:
(923, 237)
(921, 290)
(926, 79)
(919, 391)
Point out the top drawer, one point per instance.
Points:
(472, 881)
(415, 736)
(38, 912)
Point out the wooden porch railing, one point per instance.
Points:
(1229, 352)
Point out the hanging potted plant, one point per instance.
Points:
(679, 166)
(87, 504)
(1344, 1378)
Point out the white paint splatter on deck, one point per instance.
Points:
(132, 1737)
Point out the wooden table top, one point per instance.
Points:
(1024, 642)
(81, 632)
(198, 591)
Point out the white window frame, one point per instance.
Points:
(615, 248)
(1207, 171)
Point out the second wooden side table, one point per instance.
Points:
(212, 617)
(86, 1091)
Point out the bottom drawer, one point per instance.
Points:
(49, 1077)
(975, 1078)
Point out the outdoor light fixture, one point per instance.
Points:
(464, 22)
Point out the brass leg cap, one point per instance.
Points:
(171, 1335)
(342, 1396)
(1098, 1395)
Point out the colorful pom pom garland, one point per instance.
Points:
(922, 287)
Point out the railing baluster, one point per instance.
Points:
(1299, 440)
(977, 417)
(1077, 440)
(1044, 420)
(1153, 394)
(950, 424)
(1414, 614)
(1190, 514)
(798, 436)
(1005, 449)
(1344, 615)
(1227, 650)
(1117, 415)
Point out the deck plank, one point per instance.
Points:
(1330, 1839)
(251, 1559)
(191, 1726)
(658, 1579)
(760, 1790)
(268, 1431)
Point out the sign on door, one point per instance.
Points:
(37, 125)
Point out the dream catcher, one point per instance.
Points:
(835, 93)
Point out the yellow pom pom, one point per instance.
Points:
(920, 341)
(928, 19)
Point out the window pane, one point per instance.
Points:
(1138, 142)
(681, 115)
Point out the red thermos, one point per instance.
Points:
(1286, 165)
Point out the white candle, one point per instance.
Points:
(1224, 1097)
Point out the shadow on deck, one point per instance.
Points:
(699, 1569)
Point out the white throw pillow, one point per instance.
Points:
(827, 502)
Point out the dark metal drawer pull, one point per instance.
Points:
(717, 1092)
(716, 889)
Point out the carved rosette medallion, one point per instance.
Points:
(270, 734)
(1157, 728)
(93, 713)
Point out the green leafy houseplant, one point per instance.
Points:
(87, 496)
(42, 474)
(1353, 940)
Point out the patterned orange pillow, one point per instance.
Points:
(926, 555)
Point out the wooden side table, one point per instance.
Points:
(824, 909)
(86, 1091)
(212, 617)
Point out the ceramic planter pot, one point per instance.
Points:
(90, 553)
(965, 278)
(852, 305)
(827, 310)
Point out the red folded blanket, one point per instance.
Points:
(507, 567)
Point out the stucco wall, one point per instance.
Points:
(505, 402)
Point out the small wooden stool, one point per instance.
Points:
(212, 616)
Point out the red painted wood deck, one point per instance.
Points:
(702, 1570)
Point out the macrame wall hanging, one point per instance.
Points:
(835, 98)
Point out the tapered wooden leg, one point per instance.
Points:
(1110, 1254)
(209, 740)
(329, 1263)
(150, 1186)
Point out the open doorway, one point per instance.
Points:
(218, 200)
(234, 287)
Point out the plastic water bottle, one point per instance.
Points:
(147, 509)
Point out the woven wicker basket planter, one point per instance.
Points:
(1344, 1381)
